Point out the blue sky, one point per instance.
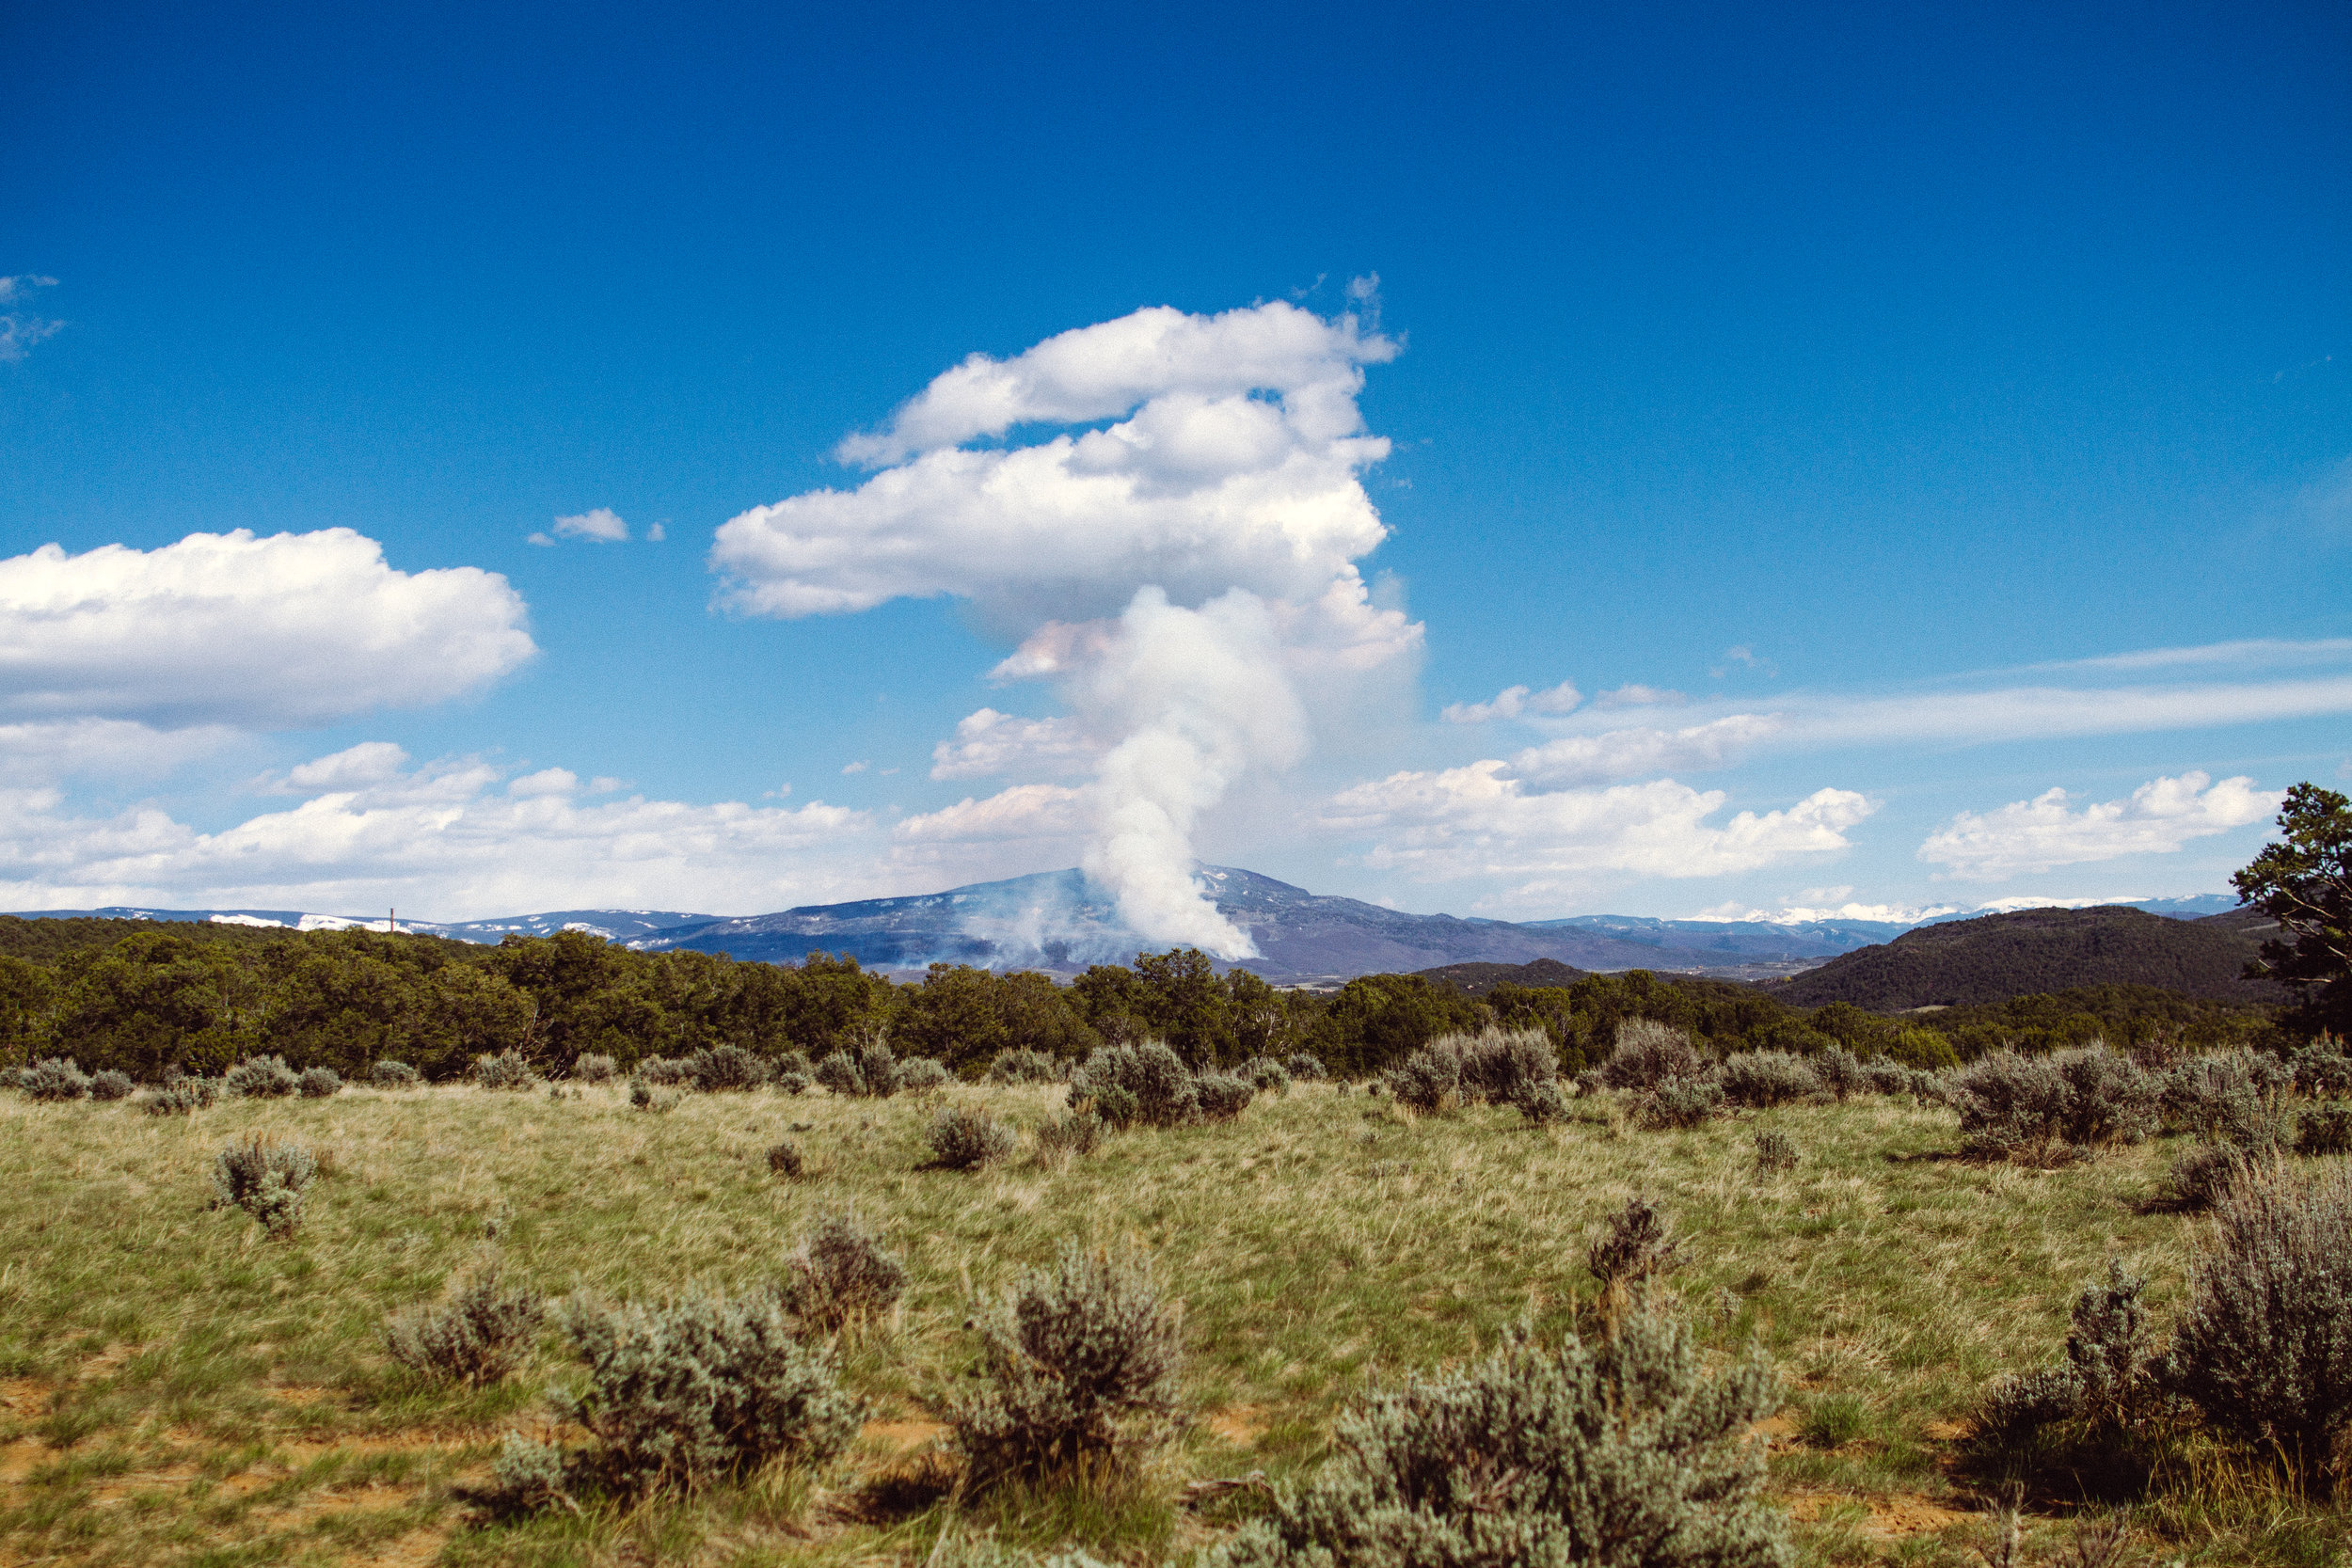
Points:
(1930, 362)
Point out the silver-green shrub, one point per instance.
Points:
(1021, 1066)
(1625, 1452)
(1077, 1133)
(109, 1086)
(394, 1075)
(479, 1337)
(261, 1078)
(841, 1274)
(727, 1068)
(1078, 1372)
(182, 1097)
(2324, 1129)
(2263, 1348)
(1155, 1076)
(320, 1083)
(1648, 1054)
(965, 1138)
(2013, 1105)
(1430, 1079)
(1544, 1104)
(1763, 1078)
(266, 1180)
(2094, 1398)
(1222, 1097)
(509, 1071)
(593, 1067)
(1841, 1072)
(690, 1391)
(1679, 1102)
(921, 1075)
(663, 1071)
(870, 1072)
(1306, 1067)
(2217, 1097)
(793, 1082)
(1502, 1066)
(527, 1478)
(1265, 1075)
(2322, 1071)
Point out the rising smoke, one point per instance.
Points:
(1183, 576)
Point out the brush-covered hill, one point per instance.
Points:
(1996, 956)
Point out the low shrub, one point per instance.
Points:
(2083, 1408)
(726, 1068)
(1306, 1067)
(870, 1072)
(2263, 1348)
(1220, 1097)
(1633, 1246)
(265, 1178)
(645, 1097)
(1022, 1067)
(1649, 1053)
(1078, 1373)
(663, 1072)
(2218, 1097)
(1766, 1078)
(2012, 1105)
(840, 1276)
(2322, 1071)
(528, 1477)
(261, 1078)
(1156, 1088)
(183, 1097)
(2199, 1175)
(691, 1391)
(593, 1067)
(1626, 1451)
(793, 1082)
(394, 1075)
(320, 1083)
(1429, 1080)
(1679, 1102)
(109, 1086)
(786, 1160)
(507, 1070)
(480, 1335)
(1884, 1075)
(1265, 1075)
(1840, 1072)
(1544, 1104)
(1776, 1152)
(1076, 1133)
(1501, 1067)
(921, 1075)
(2324, 1131)
(964, 1138)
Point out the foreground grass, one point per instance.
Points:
(180, 1390)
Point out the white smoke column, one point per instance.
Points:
(1201, 697)
(1176, 573)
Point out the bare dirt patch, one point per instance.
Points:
(1893, 1516)
(1241, 1425)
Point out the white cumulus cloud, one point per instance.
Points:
(992, 745)
(600, 527)
(2161, 816)
(291, 630)
(1583, 759)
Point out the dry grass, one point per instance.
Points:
(180, 1388)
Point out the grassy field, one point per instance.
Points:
(177, 1388)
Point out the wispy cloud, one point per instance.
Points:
(1515, 701)
(602, 525)
(21, 329)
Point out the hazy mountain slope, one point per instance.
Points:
(1996, 956)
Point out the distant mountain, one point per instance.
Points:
(1996, 956)
(612, 925)
(1735, 941)
(1061, 921)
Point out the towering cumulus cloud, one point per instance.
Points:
(1175, 552)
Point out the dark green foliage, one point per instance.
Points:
(2263, 1348)
(1022, 1067)
(509, 1071)
(1765, 1078)
(593, 1067)
(480, 1335)
(2304, 883)
(964, 1138)
(1635, 1245)
(1679, 1102)
(1620, 1453)
(1929, 1050)
(320, 1083)
(960, 1017)
(1996, 956)
(55, 1078)
(1150, 1073)
(394, 1075)
(692, 1391)
(840, 1276)
(261, 1078)
(1078, 1373)
(1776, 1152)
(1376, 1021)
(266, 1180)
(1649, 1053)
(1221, 1097)
(786, 1160)
(726, 1067)
(2324, 1131)
(109, 1086)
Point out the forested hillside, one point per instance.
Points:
(1996, 956)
